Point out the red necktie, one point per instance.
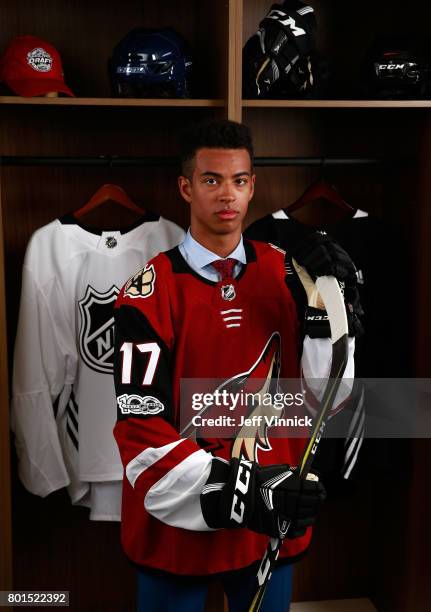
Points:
(225, 268)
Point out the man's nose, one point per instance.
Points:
(227, 193)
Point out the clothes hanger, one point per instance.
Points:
(320, 189)
(105, 193)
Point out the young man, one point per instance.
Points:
(216, 307)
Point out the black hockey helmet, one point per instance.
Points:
(149, 63)
(397, 68)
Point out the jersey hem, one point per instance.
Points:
(217, 574)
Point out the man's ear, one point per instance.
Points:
(253, 181)
(185, 188)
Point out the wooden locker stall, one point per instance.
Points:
(54, 545)
(351, 556)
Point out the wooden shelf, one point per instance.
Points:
(117, 102)
(212, 103)
(336, 103)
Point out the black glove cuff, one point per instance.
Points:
(316, 323)
(210, 496)
(227, 499)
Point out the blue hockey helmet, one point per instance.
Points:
(151, 63)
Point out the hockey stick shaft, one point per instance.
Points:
(331, 294)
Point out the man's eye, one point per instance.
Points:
(241, 181)
(210, 181)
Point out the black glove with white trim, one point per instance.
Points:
(244, 494)
(280, 50)
(321, 255)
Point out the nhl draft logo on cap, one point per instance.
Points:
(40, 60)
(228, 292)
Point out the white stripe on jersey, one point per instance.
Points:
(146, 459)
(175, 498)
(348, 471)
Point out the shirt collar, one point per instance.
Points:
(201, 257)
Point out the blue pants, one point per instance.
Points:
(168, 593)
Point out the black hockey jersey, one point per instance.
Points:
(336, 457)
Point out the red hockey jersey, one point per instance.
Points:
(172, 324)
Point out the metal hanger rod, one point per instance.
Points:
(118, 161)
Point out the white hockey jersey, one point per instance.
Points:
(63, 404)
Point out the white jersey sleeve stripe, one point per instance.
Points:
(353, 461)
(175, 498)
(146, 459)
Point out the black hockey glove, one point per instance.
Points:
(244, 494)
(280, 49)
(320, 255)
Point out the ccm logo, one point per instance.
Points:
(241, 488)
(391, 66)
(318, 437)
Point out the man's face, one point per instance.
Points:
(219, 191)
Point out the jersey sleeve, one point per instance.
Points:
(339, 450)
(315, 368)
(316, 357)
(166, 471)
(41, 359)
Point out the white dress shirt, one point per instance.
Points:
(200, 259)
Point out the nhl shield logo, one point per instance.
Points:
(228, 292)
(96, 336)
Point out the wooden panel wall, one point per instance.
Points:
(5, 508)
(417, 586)
(423, 256)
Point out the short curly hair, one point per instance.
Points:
(216, 134)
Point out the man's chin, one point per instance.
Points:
(227, 229)
(228, 226)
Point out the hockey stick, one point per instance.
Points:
(329, 290)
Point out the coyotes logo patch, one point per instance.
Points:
(141, 285)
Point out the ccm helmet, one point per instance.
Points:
(397, 68)
(151, 63)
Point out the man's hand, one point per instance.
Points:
(243, 494)
(320, 255)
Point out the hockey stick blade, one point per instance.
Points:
(330, 293)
